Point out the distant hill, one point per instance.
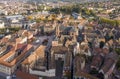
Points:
(58, 0)
(77, 1)
(67, 0)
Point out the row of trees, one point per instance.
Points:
(117, 50)
(118, 64)
(73, 8)
(109, 21)
(11, 30)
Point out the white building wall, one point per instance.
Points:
(2, 24)
(3, 12)
(5, 69)
(48, 73)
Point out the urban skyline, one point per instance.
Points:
(59, 39)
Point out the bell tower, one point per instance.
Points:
(57, 31)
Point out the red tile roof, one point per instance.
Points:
(38, 52)
(23, 75)
(17, 59)
(107, 65)
(97, 60)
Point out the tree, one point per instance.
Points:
(68, 74)
(109, 21)
(38, 20)
(118, 64)
(55, 10)
(41, 8)
(102, 44)
(117, 50)
(30, 17)
(90, 44)
(117, 23)
(93, 71)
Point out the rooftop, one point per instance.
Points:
(16, 59)
(86, 75)
(38, 52)
(107, 65)
(59, 49)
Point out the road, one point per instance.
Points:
(40, 39)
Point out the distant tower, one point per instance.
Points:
(16, 53)
(76, 49)
(57, 31)
(85, 38)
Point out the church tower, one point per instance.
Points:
(57, 31)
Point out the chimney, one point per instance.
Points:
(76, 49)
(16, 46)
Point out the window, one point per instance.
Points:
(10, 58)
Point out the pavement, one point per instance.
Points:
(2, 75)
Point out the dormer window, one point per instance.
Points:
(18, 52)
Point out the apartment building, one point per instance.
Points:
(11, 61)
(31, 61)
(2, 24)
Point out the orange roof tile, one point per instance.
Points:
(15, 60)
(39, 52)
(4, 40)
(18, 39)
